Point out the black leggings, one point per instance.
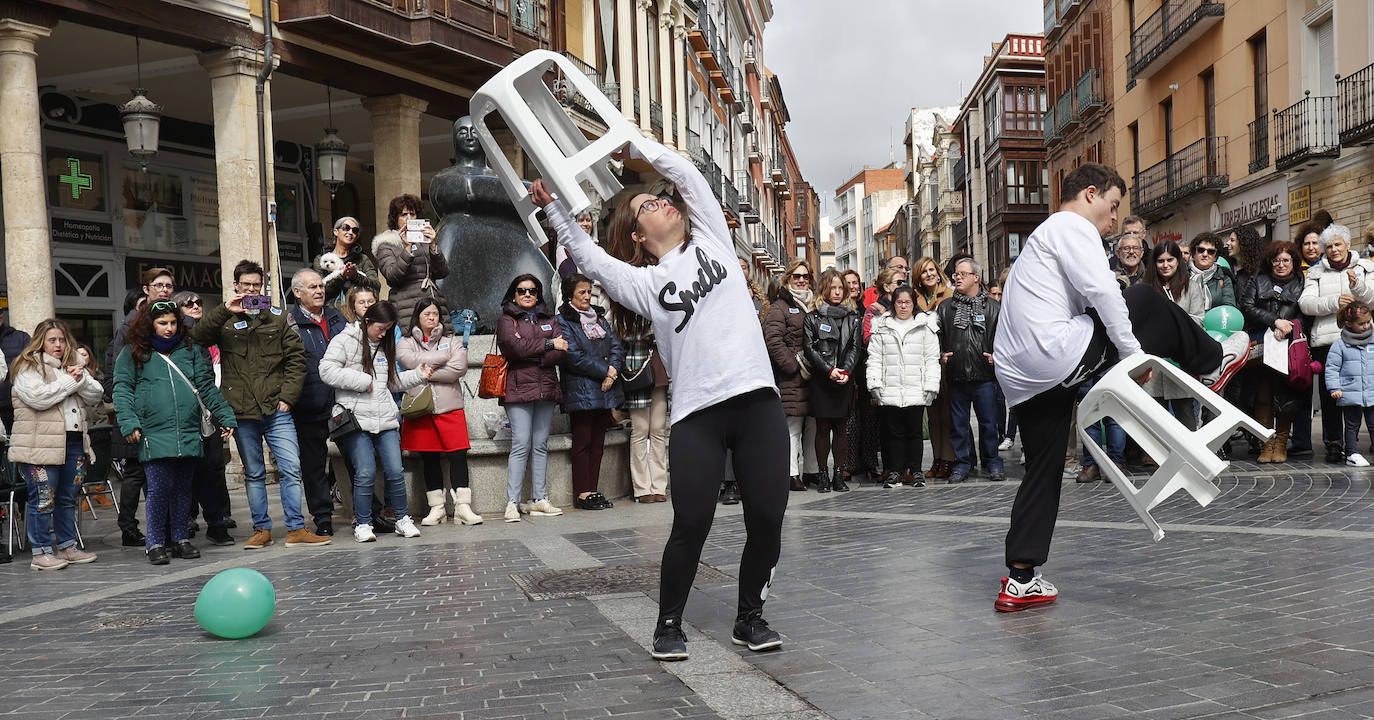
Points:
(434, 473)
(902, 443)
(751, 425)
(831, 432)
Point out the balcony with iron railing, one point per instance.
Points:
(1356, 93)
(1259, 144)
(656, 114)
(745, 182)
(568, 95)
(1051, 127)
(732, 81)
(731, 198)
(714, 178)
(755, 155)
(1306, 131)
(1065, 114)
(778, 170)
(1088, 92)
(746, 113)
(1051, 17)
(696, 152)
(703, 36)
(1198, 167)
(1168, 30)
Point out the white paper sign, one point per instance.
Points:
(1276, 352)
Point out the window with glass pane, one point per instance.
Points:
(1024, 108)
(1026, 182)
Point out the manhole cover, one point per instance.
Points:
(556, 584)
(128, 622)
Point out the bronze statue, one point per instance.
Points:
(481, 233)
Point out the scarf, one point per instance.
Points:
(803, 297)
(165, 345)
(1357, 340)
(590, 324)
(1205, 276)
(966, 308)
(1344, 264)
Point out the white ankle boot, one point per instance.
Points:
(435, 498)
(462, 507)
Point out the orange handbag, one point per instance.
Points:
(493, 382)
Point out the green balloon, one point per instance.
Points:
(236, 603)
(1223, 318)
(1218, 335)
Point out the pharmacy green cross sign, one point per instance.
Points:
(75, 178)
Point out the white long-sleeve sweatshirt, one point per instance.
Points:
(1044, 328)
(707, 329)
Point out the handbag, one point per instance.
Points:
(342, 423)
(802, 366)
(208, 426)
(643, 378)
(418, 405)
(1301, 366)
(493, 382)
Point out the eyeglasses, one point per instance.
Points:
(164, 306)
(800, 276)
(526, 291)
(349, 229)
(652, 206)
(1205, 251)
(960, 274)
(249, 285)
(1131, 250)
(161, 286)
(189, 303)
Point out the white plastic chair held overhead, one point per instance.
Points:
(563, 155)
(1187, 458)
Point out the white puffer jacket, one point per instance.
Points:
(904, 365)
(342, 368)
(1321, 296)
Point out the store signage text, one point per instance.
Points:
(1247, 212)
(200, 277)
(1300, 205)
(82, 231)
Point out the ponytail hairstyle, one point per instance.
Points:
(1352, 312)
(381, 313)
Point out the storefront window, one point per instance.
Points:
(158, 218)
(75, 179)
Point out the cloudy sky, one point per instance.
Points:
(852, 69)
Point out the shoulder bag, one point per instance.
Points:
(208, 426)
(643, 378)
(493, 382)
(1301, 366)
(418, 405)
(342, 423)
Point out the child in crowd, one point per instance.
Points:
(1350, 372)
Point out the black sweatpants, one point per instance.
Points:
(131, 483)
(1163, 329)
(208, 487)
(902, 443)
(753, 427)
(312, 438)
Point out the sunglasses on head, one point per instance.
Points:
(526, 291)
(164, 306)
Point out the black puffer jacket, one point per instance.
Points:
(968, 345)
(1264, 300)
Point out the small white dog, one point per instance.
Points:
(334, 264)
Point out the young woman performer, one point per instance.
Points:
(690, 287)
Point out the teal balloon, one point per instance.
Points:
(1223, 318)
(1218, 335)
(236, 603)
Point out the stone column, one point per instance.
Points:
(28, 254)
(233, 96)
(624, 49)
(641, 80)
(680, 82)
(665, 72)
(395, 148)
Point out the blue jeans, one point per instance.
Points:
(52, 500)
(280, 431)
(983, 397)
(362, 448)
(529, 444)
(1116, 436)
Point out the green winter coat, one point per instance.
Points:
(261, 359)
(155, 400)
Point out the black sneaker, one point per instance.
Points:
(230, 523)
(157, 555)
(134, 538)
(185, 550)
(325, 529)
(670, 643)
(752, 631)
(729, 494)
(219, 536)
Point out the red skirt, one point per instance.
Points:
(435, 433)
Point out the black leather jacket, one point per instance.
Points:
(968, 345)
(1264, 300)
(831, 335)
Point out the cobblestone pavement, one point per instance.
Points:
(1258, 606)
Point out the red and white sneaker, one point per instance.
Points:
(1017, 596)
(1235, 354)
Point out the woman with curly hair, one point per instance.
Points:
(412, 266)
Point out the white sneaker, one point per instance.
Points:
(1356, 460)
(512, 512)
(405, 527)
(363, 533)
(1005, 445)
(1235, 353)
(542, 507)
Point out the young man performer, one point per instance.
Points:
(1064, 319)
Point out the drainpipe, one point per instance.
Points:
(264, 206)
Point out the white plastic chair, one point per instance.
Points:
(563, 155)
(1187, 458)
